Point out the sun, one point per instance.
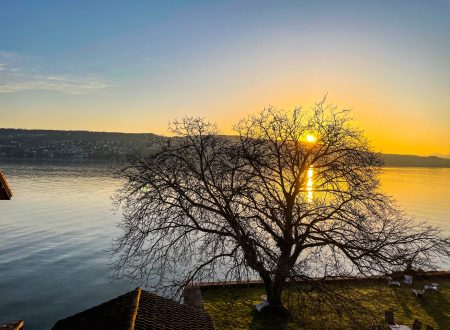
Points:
(310, 138)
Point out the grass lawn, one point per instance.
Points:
(233, 307)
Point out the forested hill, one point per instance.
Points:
(52, 144)
(393, 160)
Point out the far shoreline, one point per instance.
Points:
(390, 161)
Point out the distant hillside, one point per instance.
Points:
(54, 144)
(392, 160)
(53, 135)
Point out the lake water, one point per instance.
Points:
(55, 232)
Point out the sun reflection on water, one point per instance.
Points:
(309, 184)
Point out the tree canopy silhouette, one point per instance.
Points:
(293, 195)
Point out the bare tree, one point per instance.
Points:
(294, 195)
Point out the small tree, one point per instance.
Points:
(294, 195)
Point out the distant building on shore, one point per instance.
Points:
(5, 190)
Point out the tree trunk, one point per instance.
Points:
(274, 292)
(274, 289)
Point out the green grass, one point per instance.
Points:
(233, 307)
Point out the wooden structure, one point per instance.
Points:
(5, 190)
(138, 310)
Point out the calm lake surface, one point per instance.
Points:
(55, 233)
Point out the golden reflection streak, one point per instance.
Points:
(309, 184)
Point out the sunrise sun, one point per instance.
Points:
(310, 138)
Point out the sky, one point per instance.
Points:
(134, 66)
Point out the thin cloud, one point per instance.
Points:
(15, 78)
(62, 84)
(407, 113)
(9, 57)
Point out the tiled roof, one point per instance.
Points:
(113, 314)
(138, 310)
(156, 312)
(5, 191)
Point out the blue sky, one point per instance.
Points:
(135, 65)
